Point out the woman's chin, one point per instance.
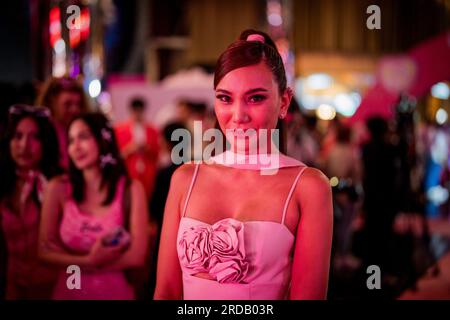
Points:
(84, 165)
(247, 147)
(26, 165)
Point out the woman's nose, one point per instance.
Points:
(24, 143)
(239, 113)
(74, 144)
(74, 109)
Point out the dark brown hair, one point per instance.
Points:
(111, 173)
(50, 148)
(243, 53)
(54, 86)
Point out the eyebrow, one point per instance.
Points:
(247, 92)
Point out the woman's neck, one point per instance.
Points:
(22, 173)
(60, 126)
(92, 178)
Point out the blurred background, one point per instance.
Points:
(371, 109)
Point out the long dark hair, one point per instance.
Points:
(107, 145)
(243, 53)
(49, 164)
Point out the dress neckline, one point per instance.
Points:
(113, 206)
(89, 215)
(243, 222)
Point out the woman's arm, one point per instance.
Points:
(169, 283)
(136, 253)
(311, 263)
(50, 249)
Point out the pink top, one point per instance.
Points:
(78, 232)
(21, 235)
(249, 260)
(27, 276)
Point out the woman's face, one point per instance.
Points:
(25, 145)
(248, 98)
(83, 148)
(67, 105)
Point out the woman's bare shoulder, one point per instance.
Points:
(184, 171)
(59, 183)
(59, 187)
(313, 182)
(182, 176)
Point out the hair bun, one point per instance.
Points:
(256, 37)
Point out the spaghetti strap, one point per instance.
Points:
(190, 189)
(291, 192)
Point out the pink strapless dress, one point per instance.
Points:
(78, 232)
(248, 260)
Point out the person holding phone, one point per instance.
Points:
(84, 220)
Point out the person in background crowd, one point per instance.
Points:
(342, 165)
(187, 113)
(190, 111)
(94, 217)
(379, 159)
(10, 94)
(165, 172)
(138, 144)
(413, 255)
(162, 186)
(302, 136)
(66, 99)
(28, 158)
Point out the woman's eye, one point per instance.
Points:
(223, 98)
(17, 136)
(36, 136)
(85, 136)
(257, 98)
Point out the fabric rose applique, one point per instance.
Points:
(216, 249)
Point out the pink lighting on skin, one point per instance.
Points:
(248, 98)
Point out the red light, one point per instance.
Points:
(78, 35)
(85, 23)
(54, 25)
(74, 37)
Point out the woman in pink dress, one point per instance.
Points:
(85, 219)
(251, 223)
(28, 157)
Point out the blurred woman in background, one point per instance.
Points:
(94, 217)
(342, 164)
(28, 157)
(66, 99)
